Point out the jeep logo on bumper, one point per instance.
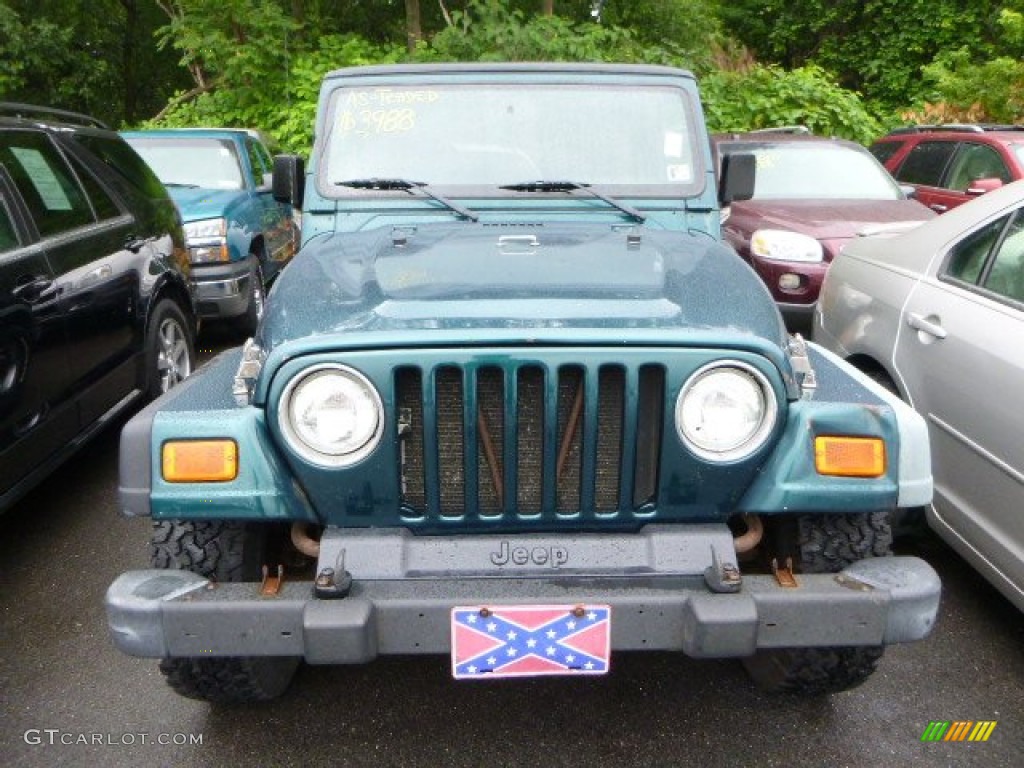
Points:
(551, 556)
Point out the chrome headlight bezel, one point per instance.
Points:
(320, 454)
(744, 445)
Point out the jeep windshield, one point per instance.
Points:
(474, 139)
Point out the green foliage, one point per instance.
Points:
(876, 47)
(283, 105)
(768, 97)
(990, 91)
(970, 87)
(488, 30)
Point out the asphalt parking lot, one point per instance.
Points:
(69, 698)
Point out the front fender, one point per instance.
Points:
(202, 407)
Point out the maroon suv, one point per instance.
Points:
(949, 164)
(811, 196)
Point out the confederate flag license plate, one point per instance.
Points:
(530, 640)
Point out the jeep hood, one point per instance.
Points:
(197, 203)
(520, 282)
(831, 219)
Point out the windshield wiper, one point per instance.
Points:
(181, 184)
(573, 186)
(396, 184)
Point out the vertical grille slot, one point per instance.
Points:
(450, 431)
(409, 399)
(611, 407)
(491, 431)
(571, 398)
(529, 438)
(529, 442)
(649, 420)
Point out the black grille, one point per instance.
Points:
(529, 441)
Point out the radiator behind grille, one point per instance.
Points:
(527, 441)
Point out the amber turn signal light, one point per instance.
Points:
(850, 456)
(200, 461)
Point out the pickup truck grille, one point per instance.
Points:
(573, 442)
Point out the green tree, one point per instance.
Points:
(876, 47)
(769, 97)
(93, 56)
(968, 87)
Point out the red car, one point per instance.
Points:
(949, 164)
(811, 196)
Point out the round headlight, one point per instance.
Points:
(725, 411)
(331, 415)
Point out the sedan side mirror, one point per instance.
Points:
(737, 179)
(288, 179)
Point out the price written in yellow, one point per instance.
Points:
(377, 121)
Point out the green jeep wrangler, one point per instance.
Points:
(515, 403)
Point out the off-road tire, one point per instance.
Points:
(170, 349)
(221, 551)
(249, 321)
(823, 544)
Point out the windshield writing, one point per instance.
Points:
(499, 135)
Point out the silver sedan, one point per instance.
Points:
(937, 314)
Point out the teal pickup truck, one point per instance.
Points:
(238, 236)
(514, 403)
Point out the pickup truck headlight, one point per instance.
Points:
(331, 415)
(725, 411)
(207, 240)
(782, 245)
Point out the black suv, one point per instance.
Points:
(96, 306)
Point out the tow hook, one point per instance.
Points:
(271, 585)
(784, 575)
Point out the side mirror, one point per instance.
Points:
(288, 179)
(981, 186)
(737, 179)
(909, 191)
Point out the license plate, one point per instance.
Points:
(530, 640)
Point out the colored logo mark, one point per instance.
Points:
(958, 730)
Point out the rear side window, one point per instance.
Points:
(53, 196)
(925, 163)
(883, 150)
(118, 155)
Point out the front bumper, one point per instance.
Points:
(158, 613)
(222, 291)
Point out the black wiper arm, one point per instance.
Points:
(393, 184)
(573, 186)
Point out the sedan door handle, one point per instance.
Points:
(929, 326)
(939, 207)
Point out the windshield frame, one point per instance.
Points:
(697, 155)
